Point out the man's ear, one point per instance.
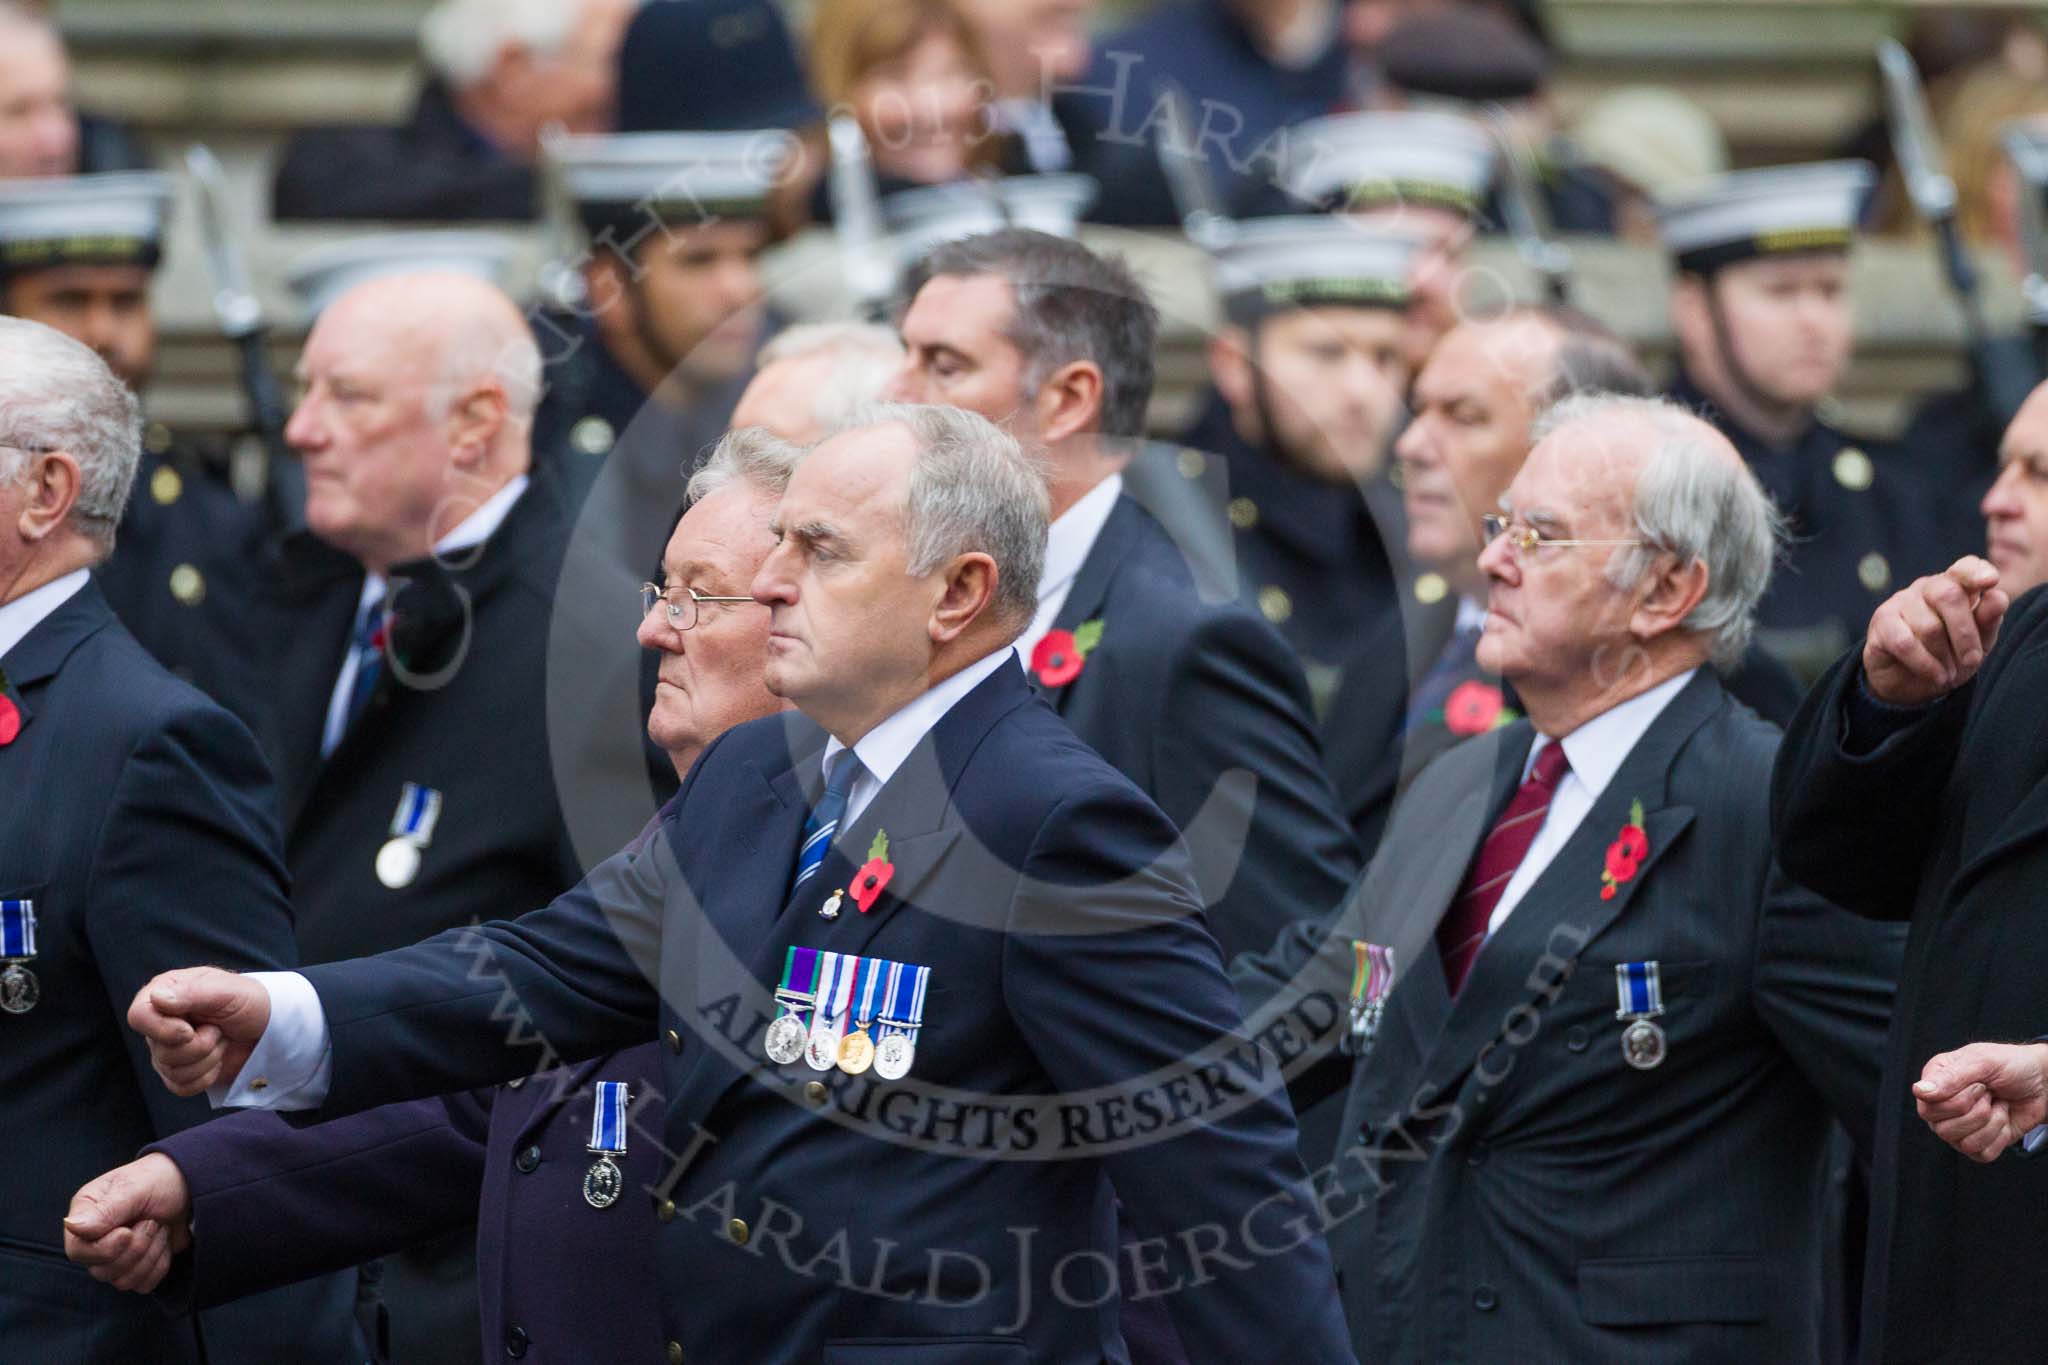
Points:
(52, 486)
(1230, 365)
(473, 424)
(1674, 589)
(1069, 402)
(969, 592)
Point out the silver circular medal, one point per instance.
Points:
(785, 1040)
(893, 1056)
(398, 862)
(19, 989)
(1642, 1045)
(822, 1052)
(602, 1183)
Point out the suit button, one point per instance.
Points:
(666, 1210)
(1477, 1156)
(527, 1160)
(675, 1353)
(737, 1230)
(674, 1041)
(1483, 1298)
(815, 1092)
(515, 1342)
(1575, 1038)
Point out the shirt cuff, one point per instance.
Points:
(1867, 722)
(291, 1065)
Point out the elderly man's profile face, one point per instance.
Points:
(710, 676)
(38, 127)
(958, 351)
(2016, 507)
(1551, 614)
(848, 621)
(376, 456)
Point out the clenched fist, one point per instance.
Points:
(1932, 635)
(1983, 1098)
(125, 1226)
(201, 1023)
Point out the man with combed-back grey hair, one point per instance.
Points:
(1598, 994)
(924, 810)
(1198, 702)
(140, 833)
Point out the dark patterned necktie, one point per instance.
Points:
(1461, 933)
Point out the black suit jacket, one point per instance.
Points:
(139, 823)
(1944, 824)
(1514, 1190)
(432, 168)
(1203, 706)
(849, 1219)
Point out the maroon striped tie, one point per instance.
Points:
(1461, 933)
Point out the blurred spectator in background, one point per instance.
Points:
(1645, 140)
(41, 131)
(916, 77)
(1034, 46)
(498, 73)
(809, 378)
(1248, 68)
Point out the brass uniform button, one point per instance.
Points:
(1874, 571)
(166, 485)
(592, 436)
(675, 1353)
(188, 585)
(737, 1230)
(1275, 604)
(260, 1083)
(1853, 469)
(1430, 589)
(1190, 462)
(666, 1210)
(1244, 513)
(674, 1041)
(156, 438)
(815, 1092)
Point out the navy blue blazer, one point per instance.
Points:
(138, 821)
(1204, 707)
(557, 1279)
(963, 1214)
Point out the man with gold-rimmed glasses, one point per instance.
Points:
(1604, 996)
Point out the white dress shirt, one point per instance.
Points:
(1067, 543)
(1596, 751)
(26, 612)
(292, 1065)
(1471, 616)
(472, 531)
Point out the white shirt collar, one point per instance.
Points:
(881, 750)
(1471, 615)
(1069, 539)
(472, 530)
(31, 609)
(1597, 749)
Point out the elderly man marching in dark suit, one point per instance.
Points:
(281, 1201)
(1589, 1117)
(1911, 788)
(989, 935)
(138, 832)
(1199, 702)
(413, 625)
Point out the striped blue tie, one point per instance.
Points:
(825, 817)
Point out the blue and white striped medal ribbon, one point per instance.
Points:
(412, 829)
(1640, 989)
(604, 1180)
(19, 989)
(898, 1048)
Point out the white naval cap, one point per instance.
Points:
(1385, 159)
(114, 219)
(324, 274)
(1263, 265)
(619, 181)
(921, 219)
(1778, 210)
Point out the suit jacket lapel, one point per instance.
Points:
(2028, 822)
(40, 654)
(1563, 909)
(1090, 590)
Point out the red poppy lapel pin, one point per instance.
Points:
(874, 874)
(1058, 658)
(10, 714)
(1625, 855)
(1474, 707)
